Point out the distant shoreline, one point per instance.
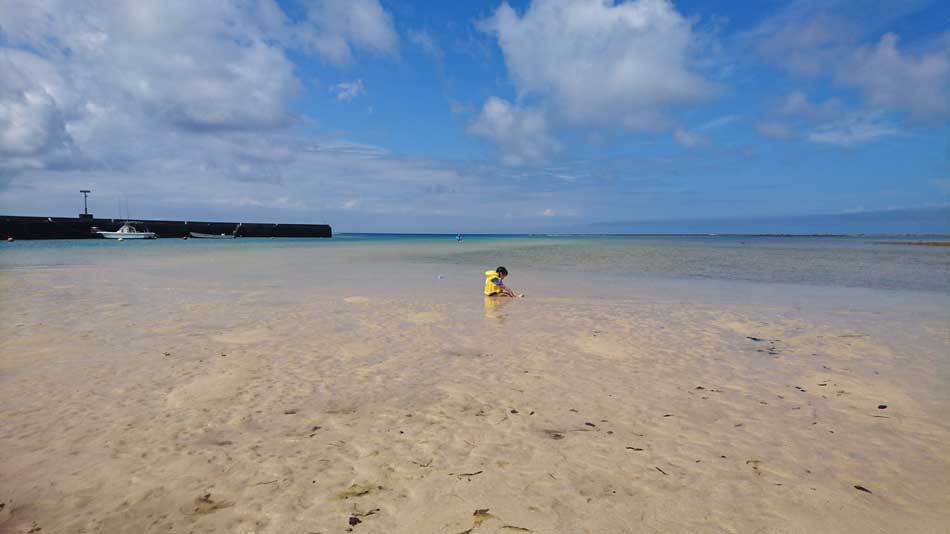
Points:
(916, 243)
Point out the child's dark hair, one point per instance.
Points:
(502, 270)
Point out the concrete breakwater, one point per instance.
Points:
(84, 227)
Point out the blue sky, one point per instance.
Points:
(541, 115)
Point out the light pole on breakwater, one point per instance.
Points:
(85, 204)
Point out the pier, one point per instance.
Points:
(85, 226)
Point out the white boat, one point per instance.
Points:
(199, 235)
(127, 231)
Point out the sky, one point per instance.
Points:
(520, 116)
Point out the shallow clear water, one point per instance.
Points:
(860, 262)
(189, 363)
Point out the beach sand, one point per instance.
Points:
(166, 406)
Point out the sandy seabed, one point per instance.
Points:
(165, 407)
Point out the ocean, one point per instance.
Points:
(565, 261)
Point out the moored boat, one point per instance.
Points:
(127, 231)
(200, 235)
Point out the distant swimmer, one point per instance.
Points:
(458, 238)
(495, 284)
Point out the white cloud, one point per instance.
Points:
(717, 123)
(347, 91)
(424, 40)
(690, 139)
(835, 124)
(193, 65)
(336, 27)
(30, 120)
(917, 84)
(811, 37)
(33, 126)
(601, 63)
(521, 133)
(804, 42)
(852, 130)
(797, 104)
(838, 40)
(83, 86)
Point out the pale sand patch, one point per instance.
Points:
(425, 318)
(244, 336)
(560, 415)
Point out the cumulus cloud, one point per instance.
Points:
(189, 65)
(811, 37)
(33, 129)
(838, 40)
(601, 63)
(347, 91)
(917, 84)
(521, 133)
(85, 85)
(336, 27)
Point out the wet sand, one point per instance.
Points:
(137, 402)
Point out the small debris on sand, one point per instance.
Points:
(862, 488)
(206, 505)
(881, 406)
(356, 490)
(355, 516)
(481, 515)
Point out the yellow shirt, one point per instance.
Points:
(493, 283)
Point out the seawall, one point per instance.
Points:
(19, 227)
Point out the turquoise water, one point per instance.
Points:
(862, 262)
